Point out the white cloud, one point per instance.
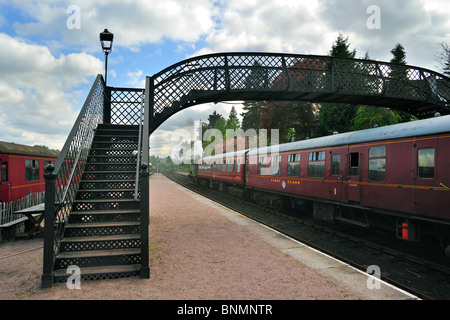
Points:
(311, 27)
(273, 26)
(136, 79)
(38, 95)
(37, 82)
(133, 23)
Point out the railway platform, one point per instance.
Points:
(216, 253)
(200, 250)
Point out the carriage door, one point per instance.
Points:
(4, 183)
(426, 176)
(353, 176)
(336, 188)
(246, 166)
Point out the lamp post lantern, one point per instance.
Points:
(106, 40)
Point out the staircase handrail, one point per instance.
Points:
(59, 190)
(138, 160)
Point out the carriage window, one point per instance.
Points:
(275, 166)
(335, 164)
(293, 165)
(316, 164)
(264, 166)
(31, 170)
(230, 166)
(377, 152)
(47, 162)
(4, 172)
(377, 163)
(425, 163)
(354, 164)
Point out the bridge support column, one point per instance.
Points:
(107, 105)
(49, 228)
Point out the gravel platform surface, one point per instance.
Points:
(196, 252)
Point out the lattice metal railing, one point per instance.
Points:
(261, 76)
(63, 179)
(126, 105)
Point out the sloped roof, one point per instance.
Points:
(20, 149)
(437, 125)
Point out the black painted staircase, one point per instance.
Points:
(102, 236)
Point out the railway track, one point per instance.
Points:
(361, 248)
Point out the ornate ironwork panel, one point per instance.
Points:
(126, 105)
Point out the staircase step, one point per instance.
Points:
(120, 146)
(125, 152)
(102, 229)
(102, 224)
(104, 216)
(125, 132)
(110, 136)
(100, 273)
(114, 143)
(106, 157)
(104, 204)
(108, 175)
(96, 258)
(98, 194)
(109, 126)
(107, 184)
(75, 244)
(97, 253)
(101, 167)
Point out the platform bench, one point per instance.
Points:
(8, 230)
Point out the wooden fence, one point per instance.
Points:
(8, 208)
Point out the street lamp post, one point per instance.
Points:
(106, 40)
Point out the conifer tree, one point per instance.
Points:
(338, 117)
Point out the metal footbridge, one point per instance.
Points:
(289, 77)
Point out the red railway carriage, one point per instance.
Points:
(223, 169)
(22, 169)
(399, 175)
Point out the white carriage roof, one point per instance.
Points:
(437, 125)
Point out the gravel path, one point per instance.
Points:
(195, 253)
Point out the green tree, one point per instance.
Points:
(399, 54)
(251, 115)
(444, 59)
(341, 47)
(257, 77)
(169, 164)
(337, 117)
(399, 72)
(233, 120)
(221, 125)
(368, 117)
(399, 77)
(294, 120)
(212, 119)
(252, 109)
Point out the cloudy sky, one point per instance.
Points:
(50, 52)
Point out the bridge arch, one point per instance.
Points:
(293, 77)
